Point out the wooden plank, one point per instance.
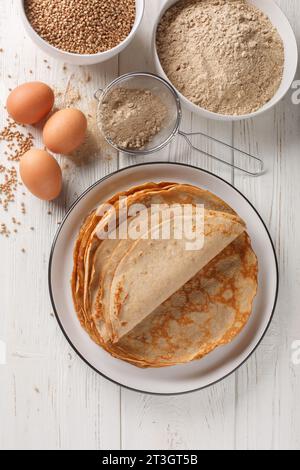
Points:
(268, 412)
(49, 398)
(198, 420)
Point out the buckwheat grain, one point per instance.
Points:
(81, 26)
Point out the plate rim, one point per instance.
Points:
(70, 210)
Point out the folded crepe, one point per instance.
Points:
(153, 303)
(147, 195)
(152, 270)
(207, 312)
(88, 242)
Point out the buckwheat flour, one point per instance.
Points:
(223, 55)
(130, 118)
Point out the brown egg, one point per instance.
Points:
(30, 103)
(65, 131)
(41, 174)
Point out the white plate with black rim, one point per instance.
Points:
(184, 378)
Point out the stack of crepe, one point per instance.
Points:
(153, 303)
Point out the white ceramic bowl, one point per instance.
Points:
(82, 59)
(279, 20)
(187, 377)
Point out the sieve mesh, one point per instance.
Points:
(157, 86)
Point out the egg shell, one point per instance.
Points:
(30, 103)
(65, 131)
(41, 174)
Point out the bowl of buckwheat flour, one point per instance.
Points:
(81, 32)
(228, 59)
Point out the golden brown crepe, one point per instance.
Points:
(152, 270)
(82, 246)
(207, 312)
(156, 310)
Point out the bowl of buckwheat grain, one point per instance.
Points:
(80, 32)
(228, 59)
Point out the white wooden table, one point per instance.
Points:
(48, 397)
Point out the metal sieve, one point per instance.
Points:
(168, 95)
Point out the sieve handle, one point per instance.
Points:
(260, 171)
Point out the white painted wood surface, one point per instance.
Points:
(49, 399)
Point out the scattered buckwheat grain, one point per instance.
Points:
(15, 141)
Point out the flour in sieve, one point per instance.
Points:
(131, 118)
